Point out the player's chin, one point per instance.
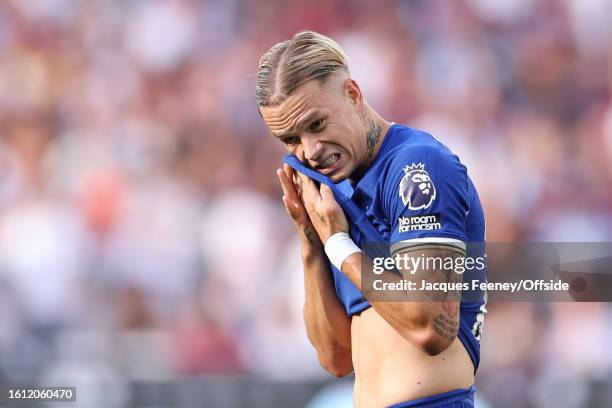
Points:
(338, 176)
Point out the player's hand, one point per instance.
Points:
(295, 207)
(324, 212)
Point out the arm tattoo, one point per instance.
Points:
(311, 236)
(445, 327)
(451, 308)
(321, 218)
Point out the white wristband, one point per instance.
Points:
(338, 247)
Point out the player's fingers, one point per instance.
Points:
(290, 207)
(295, 208)
(281, 179)
(292, 176)
(300, 180)
(289, 171)
(329, 205)
(310, 189)
(308, 198)
(286, 184)
(291, 200)
(297, 182)
(327, 194)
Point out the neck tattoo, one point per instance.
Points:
(372, 136)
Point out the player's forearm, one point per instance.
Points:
(327, 324)
(430, 326)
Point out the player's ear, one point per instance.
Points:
(353, 92)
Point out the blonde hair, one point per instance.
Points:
(291, 63)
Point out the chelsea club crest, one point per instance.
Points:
(416, 188)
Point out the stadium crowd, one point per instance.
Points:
(142, 235)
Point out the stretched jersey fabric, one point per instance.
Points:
(415, 192)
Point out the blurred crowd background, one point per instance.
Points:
(145, 254)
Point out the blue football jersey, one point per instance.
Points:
(415, 192)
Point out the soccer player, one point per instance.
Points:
(417, 195)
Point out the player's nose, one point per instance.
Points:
(312, 149)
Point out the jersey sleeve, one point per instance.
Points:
(426, 193)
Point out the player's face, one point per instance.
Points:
(321, 125)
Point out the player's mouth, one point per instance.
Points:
(330, 164)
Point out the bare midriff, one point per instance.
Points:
(389, 369)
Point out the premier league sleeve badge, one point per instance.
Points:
(416, 188)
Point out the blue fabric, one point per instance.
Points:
(342, 192)
(413, 177)
(459, 398)
(351, 297)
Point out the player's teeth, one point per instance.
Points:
(331, 160)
